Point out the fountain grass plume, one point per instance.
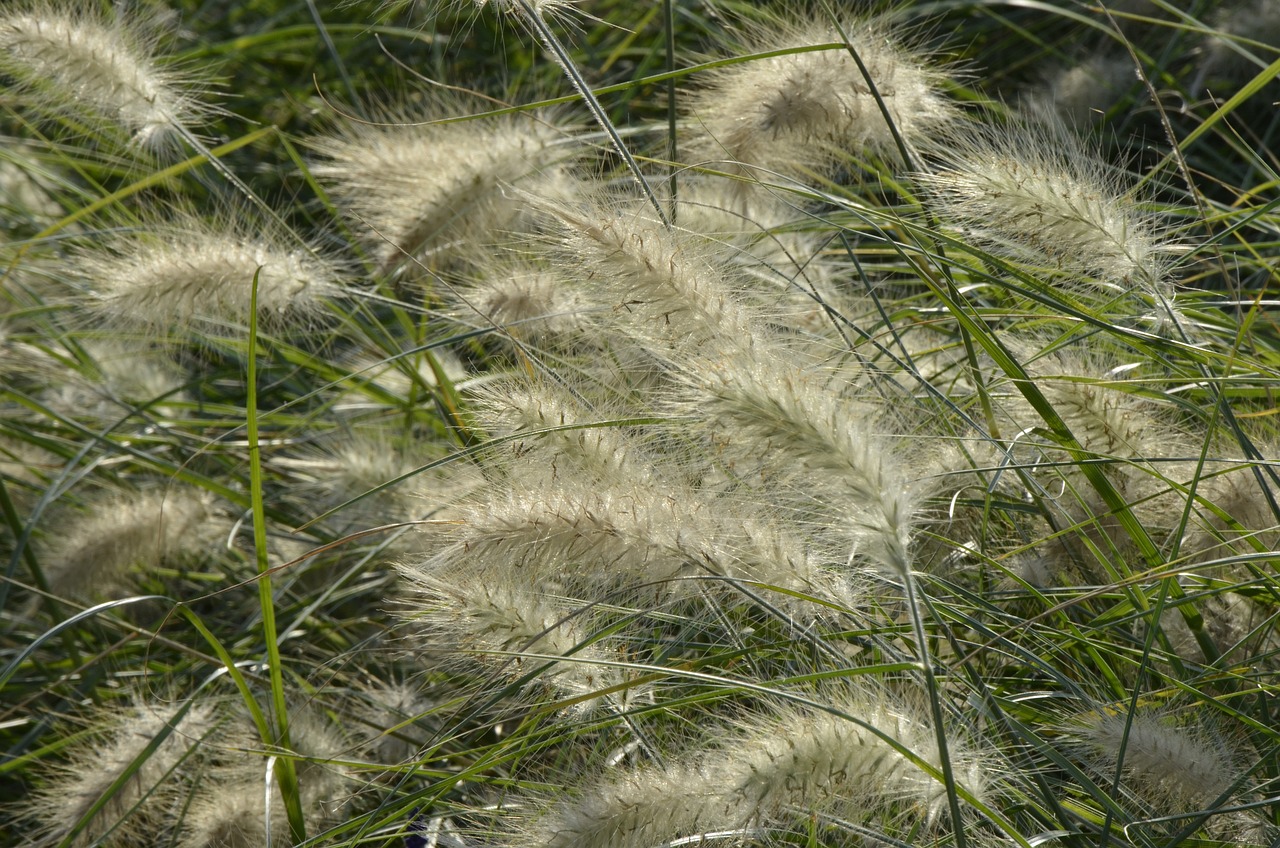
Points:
(188, 277)
(423, 189)
(1234, 513)
(70, 58)
(660, 499)
(524, 300)
(97, 551)
(669, 292)
(631, 540)
(1030, 190)
(372, 465)
(767, 238)
(742, 382)
(483, 614)
(805, 111)
(1173, 766)
(232, 806)
(1116, 417)
(857, 758)
(128, 771)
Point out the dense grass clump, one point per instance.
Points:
(604, 425)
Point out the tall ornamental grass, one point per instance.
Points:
(610, 425)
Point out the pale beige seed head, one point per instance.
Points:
(424, 192)
(234, 805)
(134, 811)
(1245, 39)
(1083, 93)
(188, 277)
(115, 379)
(524, 302)
(1031, 191)
(1174, 766)
(95, 552)
(775, 772)
(810, 110)
(70, 58)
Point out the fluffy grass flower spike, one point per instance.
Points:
(811, 109)
(73, 60)
(97, 550)
(130, 785)
(1032, 192)
(851, 762)
(422, 190)
(1169, 765)
(189, 275)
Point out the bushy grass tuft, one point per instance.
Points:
(652, 425)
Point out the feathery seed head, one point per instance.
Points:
(1086, 90)
(666, 289)
(132, 812)
(188, 276)
(26, 192)
(94, 552)
(521, 10)
(477, 613)
(770, 774)
(368, 465)
(26, 469)
(234, 807)
(1174, 767)
(1237, 493)
(73, 59)
(803, 110)
(424, 188)
(1035, 194)
(1239, 627)
(1255, 20)
(529, 302)
(674, 299)
(1087, 391)
(612, 454)
(760, 237)
(521, 7)
(392, 712)
(115, 379)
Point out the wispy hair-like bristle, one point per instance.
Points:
(373, 466)
(624, 494)
(762, 237)
(27, 192)
(391, 722)
(627, 536)
(1234, 513)
(1237, 625)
